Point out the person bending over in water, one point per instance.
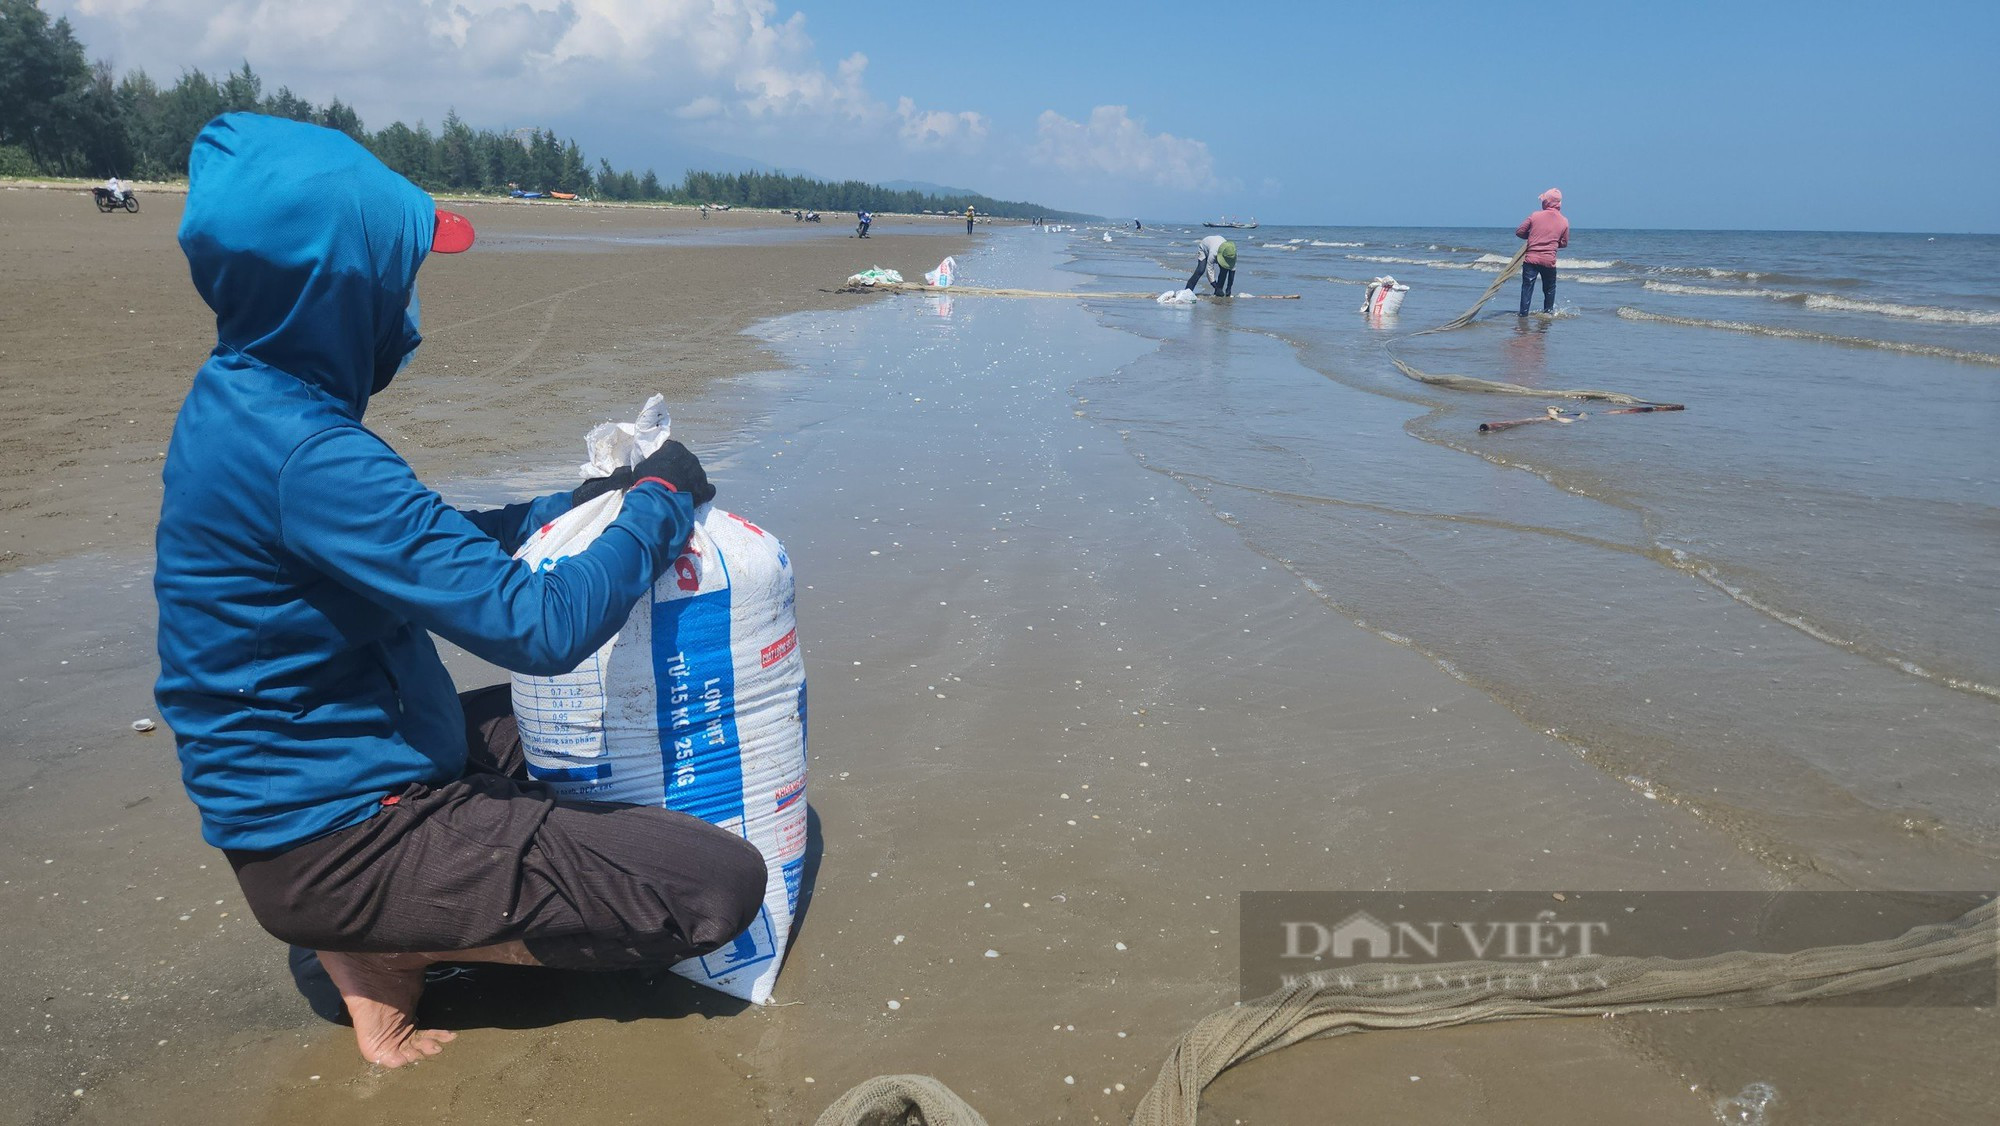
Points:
(1547, 232)
(1216, 259)
(369, 811)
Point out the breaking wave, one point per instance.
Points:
(1392, 259)
(1932, 350)
(1433, 263)
(1830, 302)
(1930, 313)
(1718, 273)
(1317, 242)
(1713, 291)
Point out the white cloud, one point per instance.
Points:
(1114, 145)
(706, 106)
(713, 65)
(931, 128)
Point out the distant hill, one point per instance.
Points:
(925, 187)
(768, 189)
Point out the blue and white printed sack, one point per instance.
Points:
(698, 704)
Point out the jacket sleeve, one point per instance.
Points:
(349, 507)
(1562, 241)
(1522, 230)
(513, 524)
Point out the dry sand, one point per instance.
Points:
(1016, 747)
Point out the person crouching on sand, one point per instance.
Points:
(370, 812)
(1547, 232)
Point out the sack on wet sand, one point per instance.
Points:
(698, 704)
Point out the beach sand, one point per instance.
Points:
(1058, 709)
(560, 316)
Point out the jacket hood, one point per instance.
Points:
(1552, 199)
(307, 248)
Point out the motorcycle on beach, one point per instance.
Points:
(109, 201)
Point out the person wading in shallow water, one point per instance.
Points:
(1547, 232)
(370, 812)
(1217, 260)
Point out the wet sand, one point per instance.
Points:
(560, 316)
(1057, 707)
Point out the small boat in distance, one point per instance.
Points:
(1232, 224)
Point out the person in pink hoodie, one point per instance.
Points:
(1547, 232)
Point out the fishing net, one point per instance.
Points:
(1494, 386)
(981, 291)
(1460, 321)
(1374, 997)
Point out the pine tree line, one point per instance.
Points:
(61, 115)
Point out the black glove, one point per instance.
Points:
(672, 463)
(677, 466)
(618, 481)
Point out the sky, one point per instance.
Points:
(1758, 114)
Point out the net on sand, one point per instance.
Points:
(1391, 997)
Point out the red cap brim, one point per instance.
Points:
(453, 233)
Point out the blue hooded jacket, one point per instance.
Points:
(301, 565)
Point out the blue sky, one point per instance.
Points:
(1833, 116)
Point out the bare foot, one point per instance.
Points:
(381, 992)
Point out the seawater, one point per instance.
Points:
(1780, 607)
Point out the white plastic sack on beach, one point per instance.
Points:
(875, 275)
(942, 276)
(1176, 297)
(698, 704)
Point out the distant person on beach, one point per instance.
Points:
(704, 211)
(1217, 261)
(1138, 226)
(861, 227)
(116, 187)
(1547, 232)
(370, 812)
(968, 219)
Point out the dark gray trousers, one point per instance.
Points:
(492, 857)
